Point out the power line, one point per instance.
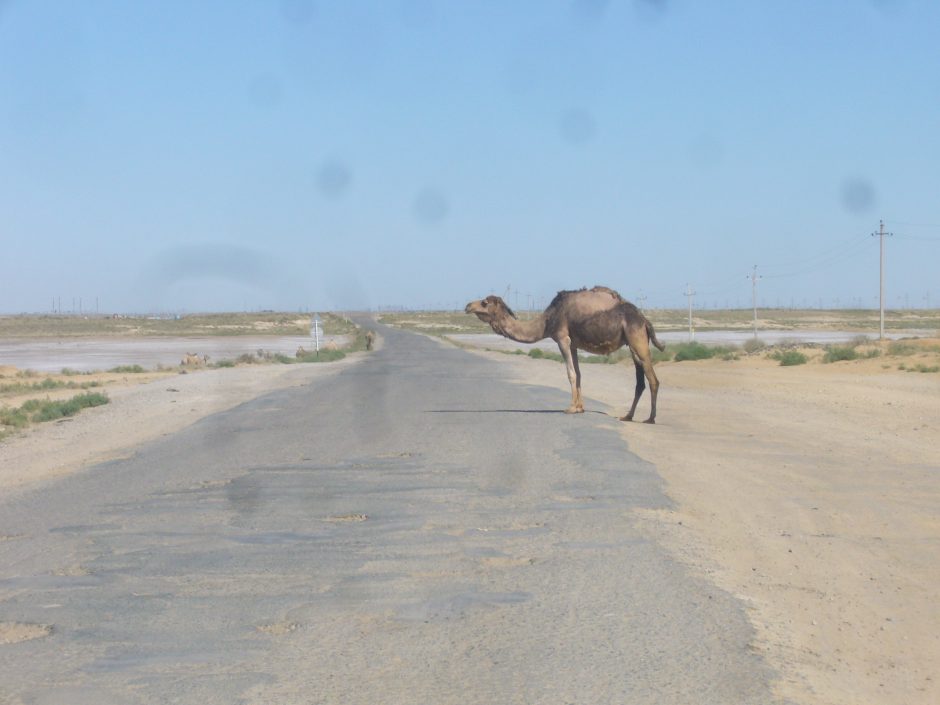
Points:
(833, 250)
(919, 238)
(915, 225)
(825, 261)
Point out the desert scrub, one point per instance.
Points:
(11, 420)
(323, 356)
(39, 410)
(661, 355)
(919, 367)
(788, 358)
(902, 349)
(51, 410)
(539, 354)
(47, 384)
(692, 351)
(697, 351)
(840, 353)
(127, 369)
(752, 345)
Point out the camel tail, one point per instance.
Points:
(652, 336)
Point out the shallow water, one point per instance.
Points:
(711, 337)
(85, 355)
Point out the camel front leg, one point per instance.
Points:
(574, 375)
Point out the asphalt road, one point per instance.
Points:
(415, 529)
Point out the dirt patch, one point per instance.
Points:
(16, 632)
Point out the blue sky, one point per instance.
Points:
(225, 155)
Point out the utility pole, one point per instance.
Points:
(641, 297)
(881, 278)
(689, 293)
(754, 277)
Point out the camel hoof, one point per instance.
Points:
(626, 418)
(574, 410)
(650, 421)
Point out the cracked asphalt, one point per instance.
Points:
(413, 529)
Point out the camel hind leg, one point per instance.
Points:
(638, 341)
(570, 353)
(640, 386)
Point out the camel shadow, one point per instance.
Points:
(506, 411)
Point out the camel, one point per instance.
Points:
(598, 320)
(370, 339)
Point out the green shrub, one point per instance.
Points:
(323, 356)
(838, 353)
(127, 369)
(15, 418)
(901, 349)
(788, 358)
(52, 410)
(539, 354)
(46, 384)
(661, 355)
(224, 363)
(693, 351)
(599, 359)
(39, 410)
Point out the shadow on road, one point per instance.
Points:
(504, 411)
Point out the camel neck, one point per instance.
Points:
(522, 331)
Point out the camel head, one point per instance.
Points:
(490, 309)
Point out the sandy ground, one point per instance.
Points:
(812, 493)
(143, 407)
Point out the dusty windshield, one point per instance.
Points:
(328, 331)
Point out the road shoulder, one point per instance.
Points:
(139, 413)
(812, 494)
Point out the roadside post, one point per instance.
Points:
(315, 330)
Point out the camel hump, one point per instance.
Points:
(597, 294)
(608, 290)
